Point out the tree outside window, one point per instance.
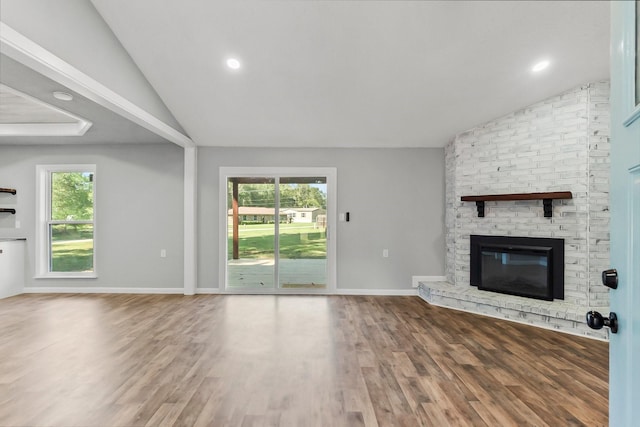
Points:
(66, 232)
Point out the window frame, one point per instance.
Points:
(44, 221)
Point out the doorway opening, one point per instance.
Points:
(276, 228)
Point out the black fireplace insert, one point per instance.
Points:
(525, 266)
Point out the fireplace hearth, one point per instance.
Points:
(525, 266)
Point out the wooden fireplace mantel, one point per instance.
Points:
(545, 197)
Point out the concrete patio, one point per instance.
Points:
(294, 273)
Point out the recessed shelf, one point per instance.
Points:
(545, 197)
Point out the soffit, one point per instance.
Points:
(106, 126)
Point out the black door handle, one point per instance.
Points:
(610, 278)
(595, 320)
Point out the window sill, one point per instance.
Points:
(67, 276)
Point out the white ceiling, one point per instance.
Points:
(356, 73)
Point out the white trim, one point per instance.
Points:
(57, 275)
(207, 291)
(378, 292)
(100, 290)
(45, 129)
(34, 56)
(222, 229)
(273, 291)
(331, 173)
(276, 232)
(42, 217)
(190, 220)
(78, 128)
(415, 280)
(332, 227)
(564, 331)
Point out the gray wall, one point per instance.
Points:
(395, 197)
(140, 210)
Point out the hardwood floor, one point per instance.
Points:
(213, 360)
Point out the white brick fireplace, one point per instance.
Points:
(560, 144)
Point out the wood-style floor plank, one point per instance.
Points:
(223, 360)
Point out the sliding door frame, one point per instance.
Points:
(279, 172)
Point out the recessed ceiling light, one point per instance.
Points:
(540, 66)
(63, 96)
(233, 63)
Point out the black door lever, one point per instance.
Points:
(595, 320)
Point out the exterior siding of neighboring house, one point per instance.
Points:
(256, 214)
(304, 215)
(267, 215)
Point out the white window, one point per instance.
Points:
(66, 225)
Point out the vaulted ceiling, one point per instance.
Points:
(356, 73)
(328, 73)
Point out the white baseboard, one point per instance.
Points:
(378, 292)
(207, 291)
(415, 280)
(203, 291)
(101, 290)
(382, 292)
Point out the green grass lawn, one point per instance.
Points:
(75, 255)
(296, 241)
(72, 232)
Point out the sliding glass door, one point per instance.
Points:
(302, 237)
(251, 225)
(277, 230)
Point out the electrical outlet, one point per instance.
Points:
(385, 253)
(163, 253)
(17, 224)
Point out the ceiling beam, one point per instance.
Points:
(20, 48)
